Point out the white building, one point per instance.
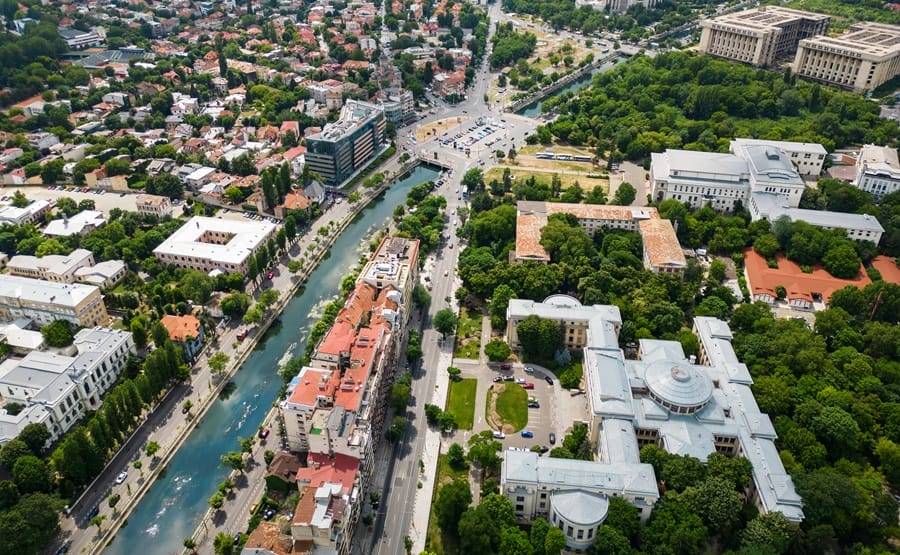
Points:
(208, 244)
(724, 181)
(808, 158)
(153, 205)
(52, 267)
(862, 59)
(878, 170)
(77, 39)
(81, 223)
(104, 275)
(21, 216)
(661, 399)
(58, 390)
(45, 301)
(859, 227)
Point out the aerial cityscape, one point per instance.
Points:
(449, 277)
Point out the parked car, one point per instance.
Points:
(264, 433)
(552, 438)
(499, 435)
(528, 385)
(529, 369)
(497, 379)
(520, 381)
(122, 477)
(527, 434)
(544, 449)
(506, 367)
(508, 378)
(270, 275)
(534, 405)
(549, 380)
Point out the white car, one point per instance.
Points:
(499, 435)
(121, 477)
(520, 380)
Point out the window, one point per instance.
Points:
(569, 531)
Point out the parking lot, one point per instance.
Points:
(482, 129)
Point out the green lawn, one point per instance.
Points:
(468, 335)
(435, 541)
(512, 406)
(461, 401)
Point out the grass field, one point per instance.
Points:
(436, 542)
(511, 406)
(461, 401)
(546, 176)
(468, 335)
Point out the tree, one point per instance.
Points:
(497, 350)
(473, 180)
(610, 541)
(420, 296)
(624, 517)
(554, 541)
(138, 328)
(538, 337)
(164, 184)
(625, 194)
(98, 522)
(11, 452)
(58, 333)
(31, 475)
(223, 544)
(770, 532)
(235, 304)
(673, 529)
(218, 362)
(483, 450)
(217, 500)
(190, 544)
(445, 322)
(398, 426)
(841, 261)
(9, 495)
(152, 448)
(30, 525)
(717, 502)
(19, 200)
(400, 393)
(235, 460)
(456, 457)
(35, 436)
(452, 501)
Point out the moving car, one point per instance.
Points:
(549, 380)
(528, 385)
(527, 434)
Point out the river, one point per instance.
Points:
(177, 501)
(534, 110)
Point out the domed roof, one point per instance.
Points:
(581, 508)
(565, 301)
(678, 383)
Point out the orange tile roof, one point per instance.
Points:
(661, 244)
(295, 200)
(306, 506)
(339, 469)
(888, 268)
(181, 327)
(313, 383)
(799, 285)
(267, 536)
(365, 304)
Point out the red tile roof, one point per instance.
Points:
(181, 327)
(799, 285)
(339, 469)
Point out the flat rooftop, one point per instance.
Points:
(353, 115)
(865, 37)
(244, 238)
(799, 285)
(767, 18)
(45, 292)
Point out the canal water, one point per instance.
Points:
(174, 505)
(534, 110)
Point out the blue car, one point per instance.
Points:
(526, 433)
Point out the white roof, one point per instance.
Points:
(42, 291)
(581, 507)
(64, 227)
(246, 238)
(787, 146)
(57, 264)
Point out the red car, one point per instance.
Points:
(527, 385)
(264, 433)
(270, 275)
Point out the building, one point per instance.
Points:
(21, 338)
(45, 301)
(574, 318)
(662, 399)
(399, 107)
(57, 390)
(52, 267)
(446, 85)
(662, 252)
(878, 170)
(104, 275)
(762, 36)
(772, 206)
(208, 244)
(267, 539)
(186, 331)
(153, 205)
(81, 223)
(76, 39)
(32, 213)
(724, 181)
(803, 290)
(394, 264)
(861, 59)
(344, 147)
(807, 158)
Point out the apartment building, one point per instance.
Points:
(394, 264)
(662, 251)
(662, 399)
(807, 158)
(724, 181)
(344, 147)
(878, 170)
(45, 301)
(58, 390)
(761, 36)
(208, 244)
(153, 205)
(862, 59)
